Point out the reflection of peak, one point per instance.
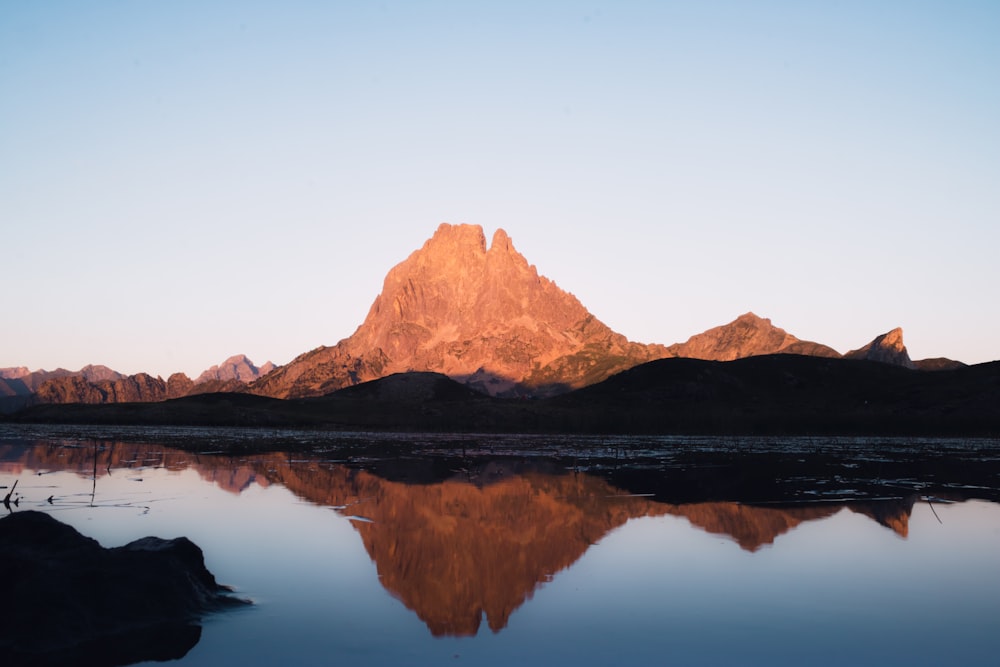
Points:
(454, 552)
(893, 514)
(457, 545)
(752, 527)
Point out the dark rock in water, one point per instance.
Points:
(71, 601)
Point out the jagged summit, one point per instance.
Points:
(887, 348)
(237, 367)
(481, 315)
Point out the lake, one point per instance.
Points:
(365, 549)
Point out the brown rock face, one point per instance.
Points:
(746, 336)
(25, 382)
(76, 389)
(32, 380)
(237, 368)
(92, 373)
(480, 315)
(128, 389)
(887, 348)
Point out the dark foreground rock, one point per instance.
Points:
(70, 601)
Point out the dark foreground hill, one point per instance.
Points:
(791, 394)
(778, 394)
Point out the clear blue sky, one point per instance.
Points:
(184, 181)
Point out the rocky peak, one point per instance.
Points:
(746, 336)
(237, 367)
(481, 315)
(887, 348)
(892, 340)
(98, 373)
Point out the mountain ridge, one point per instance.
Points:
(746, 336)
(478, 313)
(20, 386)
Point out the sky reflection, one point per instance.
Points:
(535, 567)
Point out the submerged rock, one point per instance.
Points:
(71, 601)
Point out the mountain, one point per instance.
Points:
(32, 380)
(751, 336)
(13, 387)
(938, 364)
(887, 348)
(788, 394)
(238, 368)
(139, 388)
(92, 373)
(100, 384)
(783, 394)
(746, 336)
(19, 386)
(131, 389)
(478, 314)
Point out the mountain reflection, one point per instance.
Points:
(474, 543)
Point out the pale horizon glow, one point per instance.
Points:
(183, 182)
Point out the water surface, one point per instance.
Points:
(478, 552)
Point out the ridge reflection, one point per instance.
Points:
(458, 544)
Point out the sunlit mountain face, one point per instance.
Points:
(478, 313)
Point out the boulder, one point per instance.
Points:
(71, 601)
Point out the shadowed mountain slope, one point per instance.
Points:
(790, 394)
(887, 348)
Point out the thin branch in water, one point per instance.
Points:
(6, 499)
(935, 511)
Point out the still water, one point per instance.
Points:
(499, 558)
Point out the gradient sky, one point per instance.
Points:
(184, 181)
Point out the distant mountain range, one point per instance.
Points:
(20, 387)
(480, 315)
